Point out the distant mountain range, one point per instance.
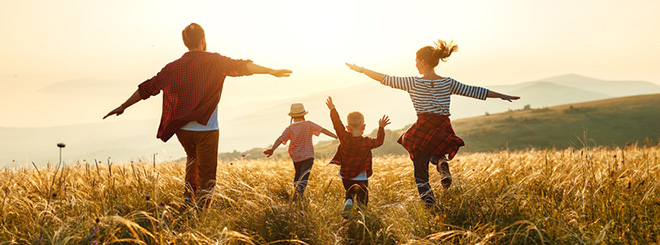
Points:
(611, 122)
(258, 124)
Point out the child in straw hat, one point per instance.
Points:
(301, 149)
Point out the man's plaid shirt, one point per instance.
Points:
(191, 87)
(354, 152)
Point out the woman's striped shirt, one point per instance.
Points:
(432, 96)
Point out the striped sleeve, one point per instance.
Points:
(315, 129)
(467, 90)
(403, 83)
(286, 135)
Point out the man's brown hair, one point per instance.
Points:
(192, 35)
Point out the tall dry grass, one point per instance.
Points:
(591, 195)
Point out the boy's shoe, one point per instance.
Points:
(348, 206)
(445, 175)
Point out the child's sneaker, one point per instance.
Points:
(348, 206)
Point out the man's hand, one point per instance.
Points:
(281, 72)
(329, 103)
(268, 152)
(117, 111)
(384, 121)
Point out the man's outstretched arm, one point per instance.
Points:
(257, 69)
(129, 102)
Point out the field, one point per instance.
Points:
(572, 196)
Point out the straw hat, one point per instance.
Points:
(297, 110)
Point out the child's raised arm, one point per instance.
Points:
(329, 103)
(336, 122)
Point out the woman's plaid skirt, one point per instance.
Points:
(432, 133)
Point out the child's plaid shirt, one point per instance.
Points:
(354, 152)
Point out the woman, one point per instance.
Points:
(431, 138)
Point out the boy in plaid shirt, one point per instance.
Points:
(354, 155)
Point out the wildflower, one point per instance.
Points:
(147, 197)
(162, 204)
(242, 155)
(41, 239)
(437, 218)
(627, 143)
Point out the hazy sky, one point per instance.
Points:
(67, 62)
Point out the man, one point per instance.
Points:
(192, 86)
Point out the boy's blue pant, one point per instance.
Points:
(303, 168)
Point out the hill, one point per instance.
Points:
(610, 122)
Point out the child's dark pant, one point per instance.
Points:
(303, 168)
(358, 189)
(421, 164)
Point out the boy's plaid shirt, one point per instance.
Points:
(354, 153)
(191, 87)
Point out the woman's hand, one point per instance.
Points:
(509, 97)
(354, 67)
(493, 94)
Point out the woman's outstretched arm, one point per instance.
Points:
(493, 94)
(372, 74)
